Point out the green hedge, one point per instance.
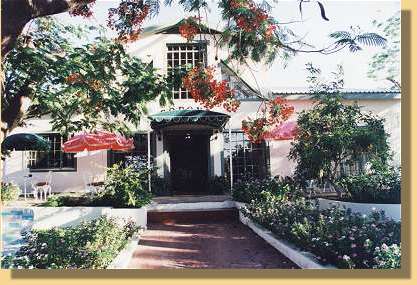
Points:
(337, 236)
(249, 189)
(91, 245)
(381, 185)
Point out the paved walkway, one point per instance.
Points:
(223, 244)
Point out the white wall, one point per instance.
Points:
(68, 181)
(154, 48)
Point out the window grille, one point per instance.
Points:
(180, 58)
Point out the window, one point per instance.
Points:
(181, 57)
(353, 166)
(54, 159)
(140, 150)
(248, 159)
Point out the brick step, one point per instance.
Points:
(196, 216)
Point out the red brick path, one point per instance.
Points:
(220, 244)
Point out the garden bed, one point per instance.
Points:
(333, 236)
(89, 245)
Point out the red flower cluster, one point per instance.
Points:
(189, 28)
(209, 92)
(83, 9)
(77, 78)
(255, 129)
(74, 78)
(276, 111)
(253, 19)
(127, 19)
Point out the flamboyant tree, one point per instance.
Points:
(251, 32)
(386, 64)
(81, 87)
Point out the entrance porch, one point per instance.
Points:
(189, 151)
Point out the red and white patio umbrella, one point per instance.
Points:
(285, 131)
(100, 140)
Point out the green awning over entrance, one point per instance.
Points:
(187, 116)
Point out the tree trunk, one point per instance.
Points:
(15, 14)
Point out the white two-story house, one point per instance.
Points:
(188, 144)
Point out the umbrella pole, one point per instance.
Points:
(24, 177)
(230, 158)
(149, 161)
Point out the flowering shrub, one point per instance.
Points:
(204, 89)
(90, 245)
(249, 189)
(127, 19)
(387, 257)
(335, 235)
(9, 192)
(275, 112)
(189, 28)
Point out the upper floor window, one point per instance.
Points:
(54, 159)
(180, 58)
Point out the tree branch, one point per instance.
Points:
(15, 14)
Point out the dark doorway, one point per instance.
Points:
(188, 153)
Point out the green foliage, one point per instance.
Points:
(125, 187)
(385, 64)
(160, 186)
(91, 245)
(382, 184)
(332, 133)
(9, 192)
(335, 235)
(354, 40)
(218, 185)
(250, 188)
(70, 201)
(96, 84)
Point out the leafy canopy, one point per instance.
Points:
(333, 132)
(92, 85)
(385, 64)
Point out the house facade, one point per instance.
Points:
(187, 144)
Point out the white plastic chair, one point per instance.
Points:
(43, 188)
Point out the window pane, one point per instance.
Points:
(55, 158)
(189, 55)
(247, 159)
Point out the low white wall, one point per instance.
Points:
(304, 260)
(139, 216)
(392, 211)
(190, 206)
(49, 217)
